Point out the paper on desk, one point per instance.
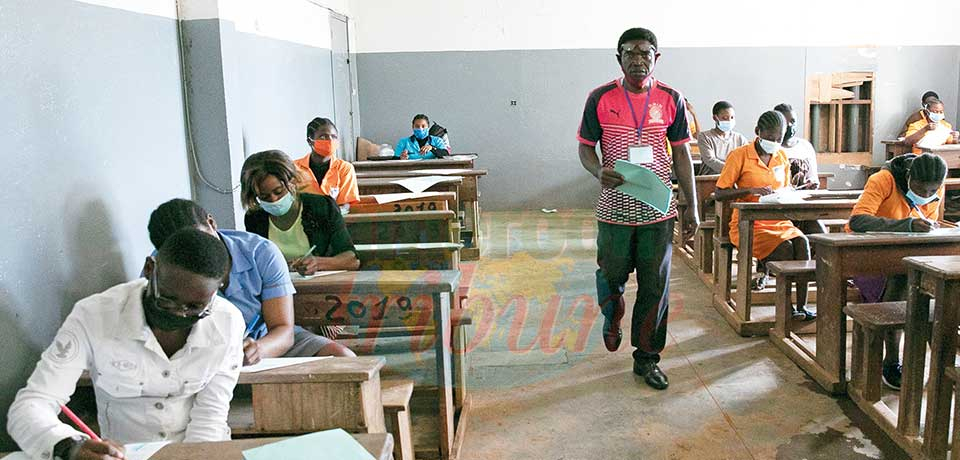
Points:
(16, 456)
(294, 276)
(644, 185)
(461, 157)
(419, 184)
(142, 450)
(274, 363)
(935, 138)
(324, 445)
(391, 197)
(442, 172)
(785, 195)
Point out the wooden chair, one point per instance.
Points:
(870, 323)
(396, 395)
(788, 272)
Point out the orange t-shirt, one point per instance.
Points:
(881, 198)
(341, 176)
(744, 169)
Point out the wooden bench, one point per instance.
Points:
(788, 272)
(396, 395)
(871, 322)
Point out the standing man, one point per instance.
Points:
(632, 118)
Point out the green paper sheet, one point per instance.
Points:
(324, 445)
(644, 185)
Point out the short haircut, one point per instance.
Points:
(196, 252)
(260, 165)
(783, 108)
(928, 168)
(637, 33)
(771, 120)
(420, 116)
(928, 94)
(172, 216)
(318, 123)
(720, 106)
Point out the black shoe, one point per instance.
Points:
(802, 314)
(760, 282)
(651, 374)
(612, 335)
(892, 375)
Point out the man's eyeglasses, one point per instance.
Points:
(170, 305)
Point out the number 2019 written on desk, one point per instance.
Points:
(431, 206)
(334, 309)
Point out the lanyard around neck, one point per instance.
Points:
(646, 109)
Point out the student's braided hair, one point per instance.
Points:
(783, 108)
(318, 123)
(172, 216)
(928, 168)
(771, 120)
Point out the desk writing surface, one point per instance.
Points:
(413, 282)
(334, 369)
(371, 174)
(813, 204)
(941, 148)
(868, 239)
(380, 445)
(947, 267)
(382, 181)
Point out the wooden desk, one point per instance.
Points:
(469, 202)
(409, 256)
(380, 445)
(320, 395)
(895, 147)
(445, 201)
(949, 152)
(841, 256)
(403, 227)
(393, 299)
(736, 309)
(382, 185)
(457, 161)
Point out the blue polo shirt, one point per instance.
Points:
(259, 272)
(413, 148)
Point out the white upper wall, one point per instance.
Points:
(298, 21)
(444, 25)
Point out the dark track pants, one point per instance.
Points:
(621, 249)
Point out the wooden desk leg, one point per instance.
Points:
(831, 322)
(441, 324)
(744, 270)
(914, 351)
(942, 354)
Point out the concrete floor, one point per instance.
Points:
(543, 386)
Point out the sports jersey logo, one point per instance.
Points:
(656, 113)
(615, 113)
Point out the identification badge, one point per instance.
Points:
(778, 171)
(334, 192)
(641, 154)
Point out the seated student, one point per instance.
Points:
(756, 169)
(902, 197)
(258, 284)
(164, 354)
(321, 172)
(295, 222)
(421, 145)
(932, 130)
(716, 143)
(920, 114)
(804, 174)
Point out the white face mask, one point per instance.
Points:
(769, 146)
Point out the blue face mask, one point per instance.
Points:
(726, 125)
(935, 117)
(278, 208)
(421, 133)
(917, 199)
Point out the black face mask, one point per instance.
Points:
(163, 319)
(791, 131)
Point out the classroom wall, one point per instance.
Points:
(92, 139)
(466, 69)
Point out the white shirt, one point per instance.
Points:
(803, 150)
(142, 395)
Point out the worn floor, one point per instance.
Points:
(543, 386)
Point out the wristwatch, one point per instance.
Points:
(67, 447)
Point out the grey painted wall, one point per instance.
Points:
(92, 139)
(530, 148)
(285, 85)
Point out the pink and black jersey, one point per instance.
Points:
(607, 119)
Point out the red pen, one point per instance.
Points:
(76, 421)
